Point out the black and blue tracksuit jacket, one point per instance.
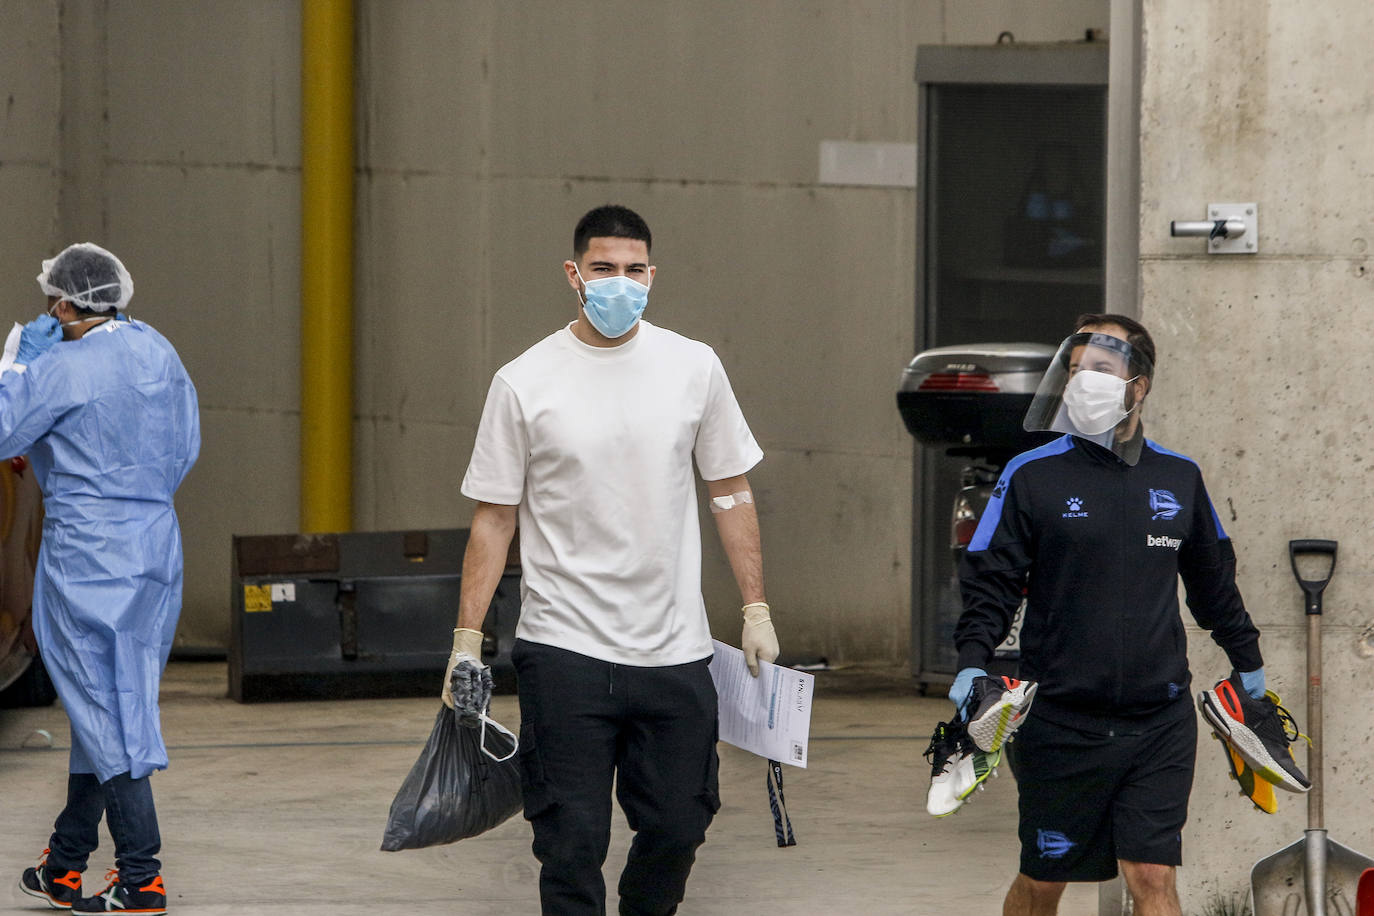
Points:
(1097, 547)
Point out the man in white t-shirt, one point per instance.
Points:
(587, 442)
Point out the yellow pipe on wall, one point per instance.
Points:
(326, 265)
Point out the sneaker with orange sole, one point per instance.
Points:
(60, 891)
(1260, 730)
(1259, 791)
(118, 897)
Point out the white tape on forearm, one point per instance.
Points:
(726, 503)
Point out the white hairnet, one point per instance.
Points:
(88, 277)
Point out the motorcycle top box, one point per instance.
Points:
(973, 397)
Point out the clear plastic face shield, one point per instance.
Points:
(1093, 389)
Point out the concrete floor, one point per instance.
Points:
(279, 808)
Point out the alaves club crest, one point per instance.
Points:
(1164, 505)
(1053, 844)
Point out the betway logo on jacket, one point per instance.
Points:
(1162, 540)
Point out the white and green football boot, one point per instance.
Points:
(958, 768)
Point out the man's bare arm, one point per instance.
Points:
(739, 535)
(493, 526)
(732, 504)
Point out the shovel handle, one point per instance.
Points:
(1312, 588)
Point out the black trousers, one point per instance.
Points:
(585, 723)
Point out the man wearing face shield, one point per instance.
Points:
(1095, 529)
(587, 441)
(1101, 384)
(104, 410)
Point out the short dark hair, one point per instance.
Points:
(610, 221)
(1136, 335)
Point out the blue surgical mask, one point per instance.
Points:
(613, 304)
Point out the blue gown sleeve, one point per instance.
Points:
(31, 402)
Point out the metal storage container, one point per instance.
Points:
(361, 614)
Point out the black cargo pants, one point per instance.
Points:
(586, 722)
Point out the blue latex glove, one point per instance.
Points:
(38, 335)
(962, 687)
(1253, 682)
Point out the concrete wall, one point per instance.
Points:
(168, 130)
(30, 107)
(1265, 362)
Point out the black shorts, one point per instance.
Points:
(1087, 800)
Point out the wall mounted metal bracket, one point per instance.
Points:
(1229, 228)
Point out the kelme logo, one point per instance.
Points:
(1075, 505)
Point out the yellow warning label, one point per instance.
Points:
(257, 598)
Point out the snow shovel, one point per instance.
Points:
(1316, 875)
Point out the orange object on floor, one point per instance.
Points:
(1364, 895)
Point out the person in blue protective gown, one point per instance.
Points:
(108, 417)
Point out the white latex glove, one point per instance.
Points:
(467, 647)
(759, 640)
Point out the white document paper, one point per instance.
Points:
(11, 348)
(768, 715)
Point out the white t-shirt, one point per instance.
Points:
(595, 445)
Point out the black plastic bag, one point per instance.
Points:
(454, 790)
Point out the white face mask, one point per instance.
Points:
(498, 727)
(1096, 401)
(52, 310)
